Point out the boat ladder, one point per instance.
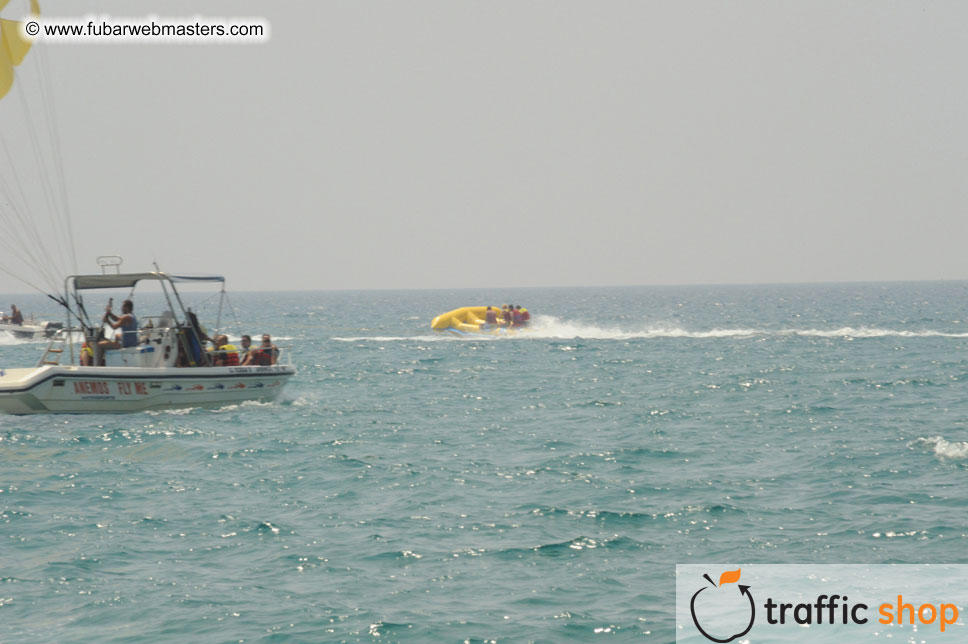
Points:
(55, 349)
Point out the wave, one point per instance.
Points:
(9, 339)
(944, 448)
(867, 332)
(6, 339)
(571, 547)
(412, 338)
(612, 517)
(256, 338)
(552, 328)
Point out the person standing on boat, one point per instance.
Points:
(128, 324)
(15, 317)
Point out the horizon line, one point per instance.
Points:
(586, 286)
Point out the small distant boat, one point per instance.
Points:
(31, 329)
(470, 320)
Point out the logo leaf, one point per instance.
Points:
(729, 577)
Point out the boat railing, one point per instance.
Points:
(66, 344)
(283, 356)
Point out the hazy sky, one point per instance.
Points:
(473, 144)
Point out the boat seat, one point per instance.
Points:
(128, 356)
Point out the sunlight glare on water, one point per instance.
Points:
(415, 486)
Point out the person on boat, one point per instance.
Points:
(525, 316)
(244, 349)
(194, 337)
(15, 317)
(87, 355)
(272, 349)
(212, 358)
(128, 324)
(490, 317)
(516, 315)
(226, 355)
(506, 314)
(263, 356)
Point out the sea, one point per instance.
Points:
(413, 486)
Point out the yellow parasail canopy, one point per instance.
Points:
(13, 46)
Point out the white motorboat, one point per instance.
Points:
(164, 364)
(168, 368)
(31, 329)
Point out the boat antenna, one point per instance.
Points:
(164, 290)
(221, 301)
(228, 301)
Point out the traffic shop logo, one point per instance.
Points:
(707, 604)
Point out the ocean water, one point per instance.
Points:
(415, 487)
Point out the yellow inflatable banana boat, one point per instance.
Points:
(470, 319)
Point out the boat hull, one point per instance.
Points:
(82, 390)
(483, 330)
(25, 331)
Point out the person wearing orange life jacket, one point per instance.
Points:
(226, 355)
(263, 356)
(490, 317)
(515, 315)
(87, 355)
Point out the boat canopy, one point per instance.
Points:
(128, 280)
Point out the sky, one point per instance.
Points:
(456, 144)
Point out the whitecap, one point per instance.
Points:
(944, 448)
(549, 327)
(412, 338)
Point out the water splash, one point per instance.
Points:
(440, 337)
(550, 327)
(6, 339)
(944, 448)
(9, 339)
(553, 328)
(868, 332)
